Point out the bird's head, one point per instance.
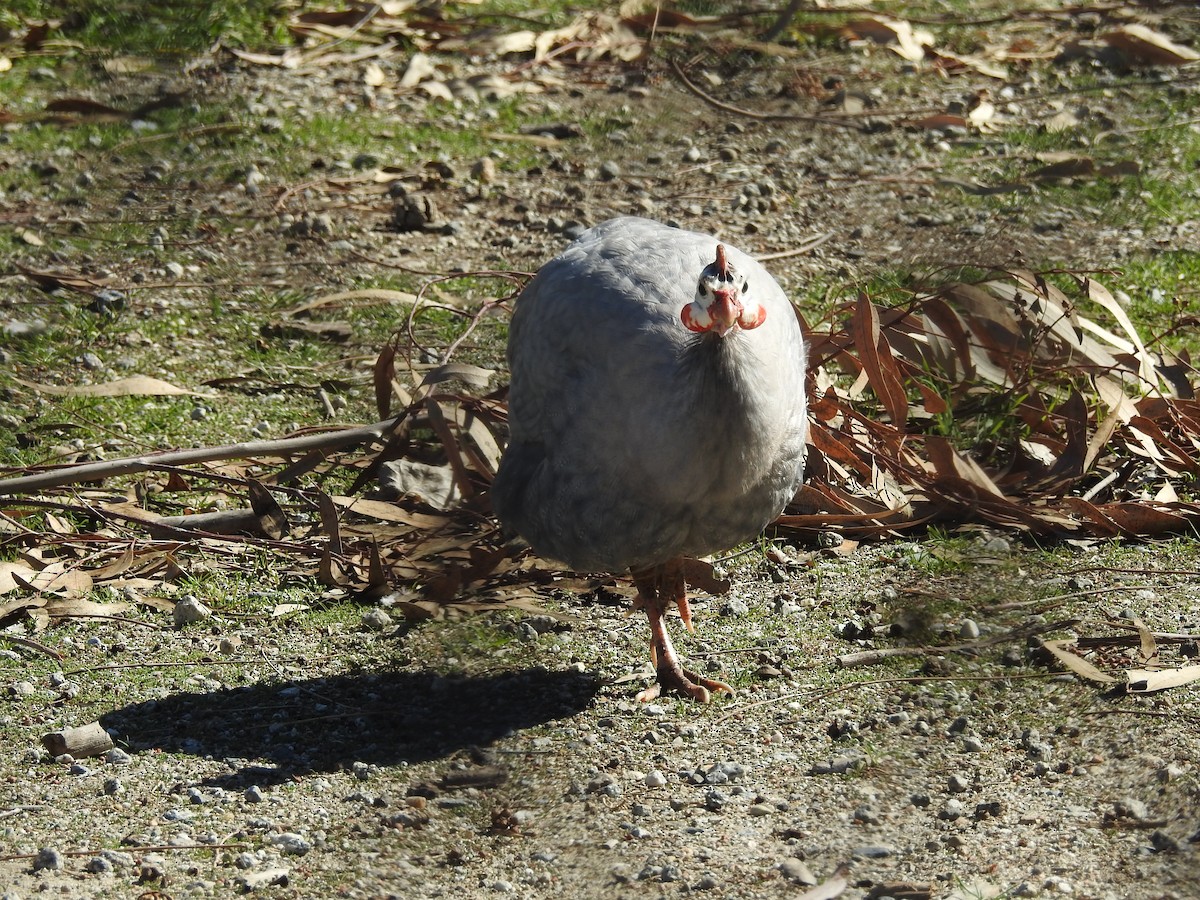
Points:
(720, 304)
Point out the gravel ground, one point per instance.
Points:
(504, 756)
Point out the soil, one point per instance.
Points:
(506, 756)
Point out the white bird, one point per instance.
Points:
(656, 413)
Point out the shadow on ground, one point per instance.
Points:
(270, 732)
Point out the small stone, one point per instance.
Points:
(98, 865)
(253, 881)
(760, 809)
(969, 630)
(1131, 808)
(113, 786)
(972, 744)
(873, 851)
(189, 610)
(609, 170)
(1163, 842)
(951, 810)
(484, 170)
(48, 859)
(958, 783)
(796, 871)
(735, 606)
(254, 794)
(376, 619)
(174, 269)
(655, 779)
(291, 843)
(503, 887)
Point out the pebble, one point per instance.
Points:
(797, 871)
(291, 843)
(254, 794)
(972, 745)
(503, 887)
(253, 881)
(609, 170)
(174, 268)
(376, 620)
(655, 779)
(957, 783)
(969, 630)
(873, 851)
(189, 610)
(48, 858)
(761, 809)
(735, 606)
(98, 865)
(951, 810)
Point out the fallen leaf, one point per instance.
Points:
(1146, 47)
(1146, 681)
(1076, 663)
(896, 34)
(134, 386)
(373, 75)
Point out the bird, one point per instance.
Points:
(656, 414)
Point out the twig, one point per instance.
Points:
(17, 810)
(797, 251)
(872, 657)
(336, 440)
(32, 645)
(753, 114)
(143, 848)
(1155, 713)
(875, 682)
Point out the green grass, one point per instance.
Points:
(179, 28)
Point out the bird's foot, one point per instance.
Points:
(686, 682)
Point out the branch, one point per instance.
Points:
(56, 477)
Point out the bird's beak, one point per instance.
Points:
(725, 310)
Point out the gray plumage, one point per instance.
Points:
(633, 439)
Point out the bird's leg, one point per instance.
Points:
(657, 589)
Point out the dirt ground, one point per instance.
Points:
(500, 756)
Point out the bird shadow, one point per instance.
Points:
(268, 733)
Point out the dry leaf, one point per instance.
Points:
(1076, 663)
(14, 575)
(897, 34)
(420, 68)
(1146, 681)
(134, 386)
(1146, 47)
(373, 75)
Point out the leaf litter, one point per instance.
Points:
(1102, 435)
(1099, 436)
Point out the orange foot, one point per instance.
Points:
(658, 588)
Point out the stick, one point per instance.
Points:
(337, 440)
(752, 114)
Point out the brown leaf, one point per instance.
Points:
(1075, 663)
(878, 362)
(134, 386)
(84, 107)
(1144, 46)
(271, 516)
(72, 607)
(1146, 681)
